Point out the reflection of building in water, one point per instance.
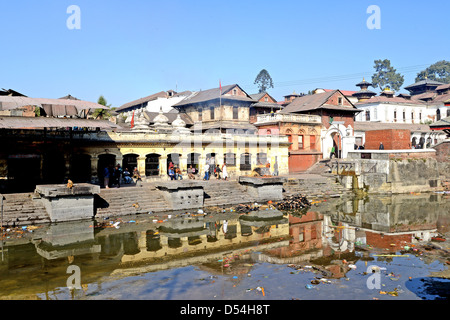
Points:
(196, 237)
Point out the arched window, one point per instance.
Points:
(438, 115)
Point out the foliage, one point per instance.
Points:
(386, 76)
(439, 71)
(264, 81)
(102, 113)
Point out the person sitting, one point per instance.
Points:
(136, 175)
(178, 173)
(127, 176)
(191, 172)
(171, 174)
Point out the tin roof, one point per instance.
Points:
(11, 102)
(44, 122)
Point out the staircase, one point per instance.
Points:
(223, 193)
(129, 200)
(20, 209)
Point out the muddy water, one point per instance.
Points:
(373, 248)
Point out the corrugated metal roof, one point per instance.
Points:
(8, 102)
(44, 122)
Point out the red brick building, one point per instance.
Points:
(392, 139)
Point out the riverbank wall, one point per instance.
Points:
(22, 209)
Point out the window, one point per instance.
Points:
(261, 158)
(448, 112)
(200, 114)
(245, 162)
(234, 92)
(412, 117)
(235, 112)
(300, 141)
(266, 99)
(404, 116)
(367, 115)
(420, 116)
(211, 113)
(340, 101)
(312, 142)
(230, 159)
(395, 116)
(438, 115)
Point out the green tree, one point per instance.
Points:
(102, 113)
(439, 71)
(386, 76)
(263, 80)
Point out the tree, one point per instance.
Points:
(102, 113)
(386, 76)
(263, 80)
(439, 71)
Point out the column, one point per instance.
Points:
(163, 166)
(94, 169)
(141, 165)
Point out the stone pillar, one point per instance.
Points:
(94, 169)
(141, 165)
(183, 163)
(163, 167)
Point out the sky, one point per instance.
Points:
(125, 50)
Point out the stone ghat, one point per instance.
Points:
(23, 209)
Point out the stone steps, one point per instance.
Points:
(22, 209)
(130, 200)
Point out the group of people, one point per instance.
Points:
(217, 171)
(174, 172)
(112, 176)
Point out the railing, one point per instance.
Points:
(280, 117)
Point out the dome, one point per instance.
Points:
(161, 119)
(178, 122)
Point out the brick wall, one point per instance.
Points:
(393, 139)
(443, 151)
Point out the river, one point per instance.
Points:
(376, 248)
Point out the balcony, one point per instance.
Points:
(281, 117)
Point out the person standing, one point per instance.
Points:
(106, 176)
(224, 171)
(206, 168)
(332, 152)
(381, 146)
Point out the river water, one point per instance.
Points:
(377, 248)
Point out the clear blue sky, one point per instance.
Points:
(126, 50)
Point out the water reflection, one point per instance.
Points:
(325, 235)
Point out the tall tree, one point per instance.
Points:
(439, 71)
(263, 80)
(102, 113)
(386, 76)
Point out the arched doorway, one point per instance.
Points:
(174, 158)
(333, 137)
(152, 165)
(129, 161)
(104, 161)
(193, 159)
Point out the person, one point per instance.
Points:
(171, 173)
(381, 146)
(275, 167)
(332, 152)
(224, 171)
(206, 168)
(106, 177)
(117, 175)
(217, 172)
(178, 173)
(127, 176)
(191, 172)
(136, 175)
